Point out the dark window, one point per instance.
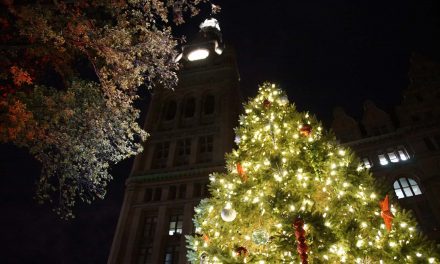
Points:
(182, 191)
(148, 196)
(145, 255)
(158, 194)
(197, 191)
(149, 226)
(190, 107)
(172, 255)
(183, 152)
(205, 148)
(172, 193)
(209, 104)
(160, 157)
(170, 110)
(176, 225)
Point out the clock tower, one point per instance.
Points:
(191, 130)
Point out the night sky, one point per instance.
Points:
(324, 53)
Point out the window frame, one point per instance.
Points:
(175, 224)
(170, 104)
(183, 152)
(173, 252)
(149, 226)
(145, 255)
(189, 107)
(161, 155)
(205, 148)
(405, 187)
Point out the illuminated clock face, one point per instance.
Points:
(198, 54)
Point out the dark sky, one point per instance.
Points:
(324, 53)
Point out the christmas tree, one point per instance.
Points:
(292, 194)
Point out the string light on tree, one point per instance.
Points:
(285, 164)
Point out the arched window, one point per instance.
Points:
(406, 187)
(190, 107)
(209, 104)
(170, 109)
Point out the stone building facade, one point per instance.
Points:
(191, 130)
(405, 158)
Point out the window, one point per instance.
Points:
(145, 255)
(149, 226)
(406, 187)
(170, 110)
(190, 107)
(182, 191)
(393, 155)
(197, 189)
(157, 194)
(172, 255)
(403, 155)
(160, 157)
(367, 163)
(147, 237)
(176, 223)
(382, 159)
(183, 152)
(200, 189)
(209, 104)
(205, 148)
(148, 196)
(172, 192)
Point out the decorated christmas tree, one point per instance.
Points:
(292, 194)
